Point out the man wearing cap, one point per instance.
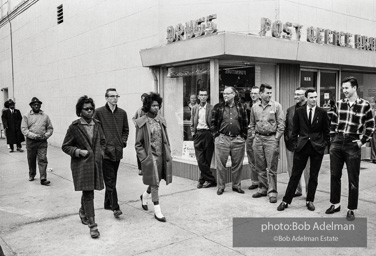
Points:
(12, 124)
(37, 128)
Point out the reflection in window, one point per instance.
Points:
(243, 79)
(181, 86)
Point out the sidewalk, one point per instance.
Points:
(40, 220)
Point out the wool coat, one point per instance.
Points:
(116, 130)
(86, 171)
(144, 153)
(12, 124)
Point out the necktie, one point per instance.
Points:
(310, 116)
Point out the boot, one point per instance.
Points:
(83, 217)
(94, 232)
(158, 213)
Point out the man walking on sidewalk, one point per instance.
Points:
(37, 128)
(12, 119)
(352, 125)
(114, 123)
(310, 137)
(203, 139)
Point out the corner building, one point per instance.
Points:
(61, 50)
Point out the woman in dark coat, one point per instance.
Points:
(153, 150)
(12, 119)
(85, 143)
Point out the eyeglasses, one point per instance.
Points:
(87, 109)
(299, 94)
(227, 93)
(114, 96)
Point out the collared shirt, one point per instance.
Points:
(313, 112)
(230, 124)
(202, 118)
(89, 128)
(35, 125)
(356, 119)
(267, 119)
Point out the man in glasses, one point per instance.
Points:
(37, 128)
(114, 122)
(300, 101)
(203, 139)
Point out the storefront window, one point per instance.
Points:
(367, 86)
(181, 86)
(328, 82)
(242, 78)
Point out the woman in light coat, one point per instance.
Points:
(153, 150)
(85, 143)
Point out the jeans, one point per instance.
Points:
(344, 150)
(234, 147)
(251, 161)
(266, 150)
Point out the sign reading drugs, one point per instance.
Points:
(194, 28)
(316, 35)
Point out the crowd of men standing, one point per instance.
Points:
(307, 130)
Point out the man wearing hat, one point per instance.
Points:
(37, 128)
(12, 124)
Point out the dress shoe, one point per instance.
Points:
(144, 203)
(350, 215)
(117, 213)
(45, 182)
(11, 151)
(332, 209)
(273, 199)
(209, 184)
(282, 206)
(220, 191)
(253, 187)
(163, 219)
(239, 190)
(31, 178)
(297, 194)
(83, 217)
(199, 185)
(94, 232)
(374, 161)
(140, 172)
(310, 206)
(20, 150)
(259, 194)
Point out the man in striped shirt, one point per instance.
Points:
(352, 125)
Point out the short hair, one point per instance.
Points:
(203, 89)
(263, 86)
(353, 81)
(108, 90)
(255, 87)
(309, 91)
(301, 88)
(149, 100)
(80, 104)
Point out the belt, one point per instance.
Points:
(203, 130)
(348, 135)
(266, 134)
(232, 136)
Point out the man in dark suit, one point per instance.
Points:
(12, 119)
(311, 131)
(301, 102)
(203, 139)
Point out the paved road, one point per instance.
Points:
(39, 220)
